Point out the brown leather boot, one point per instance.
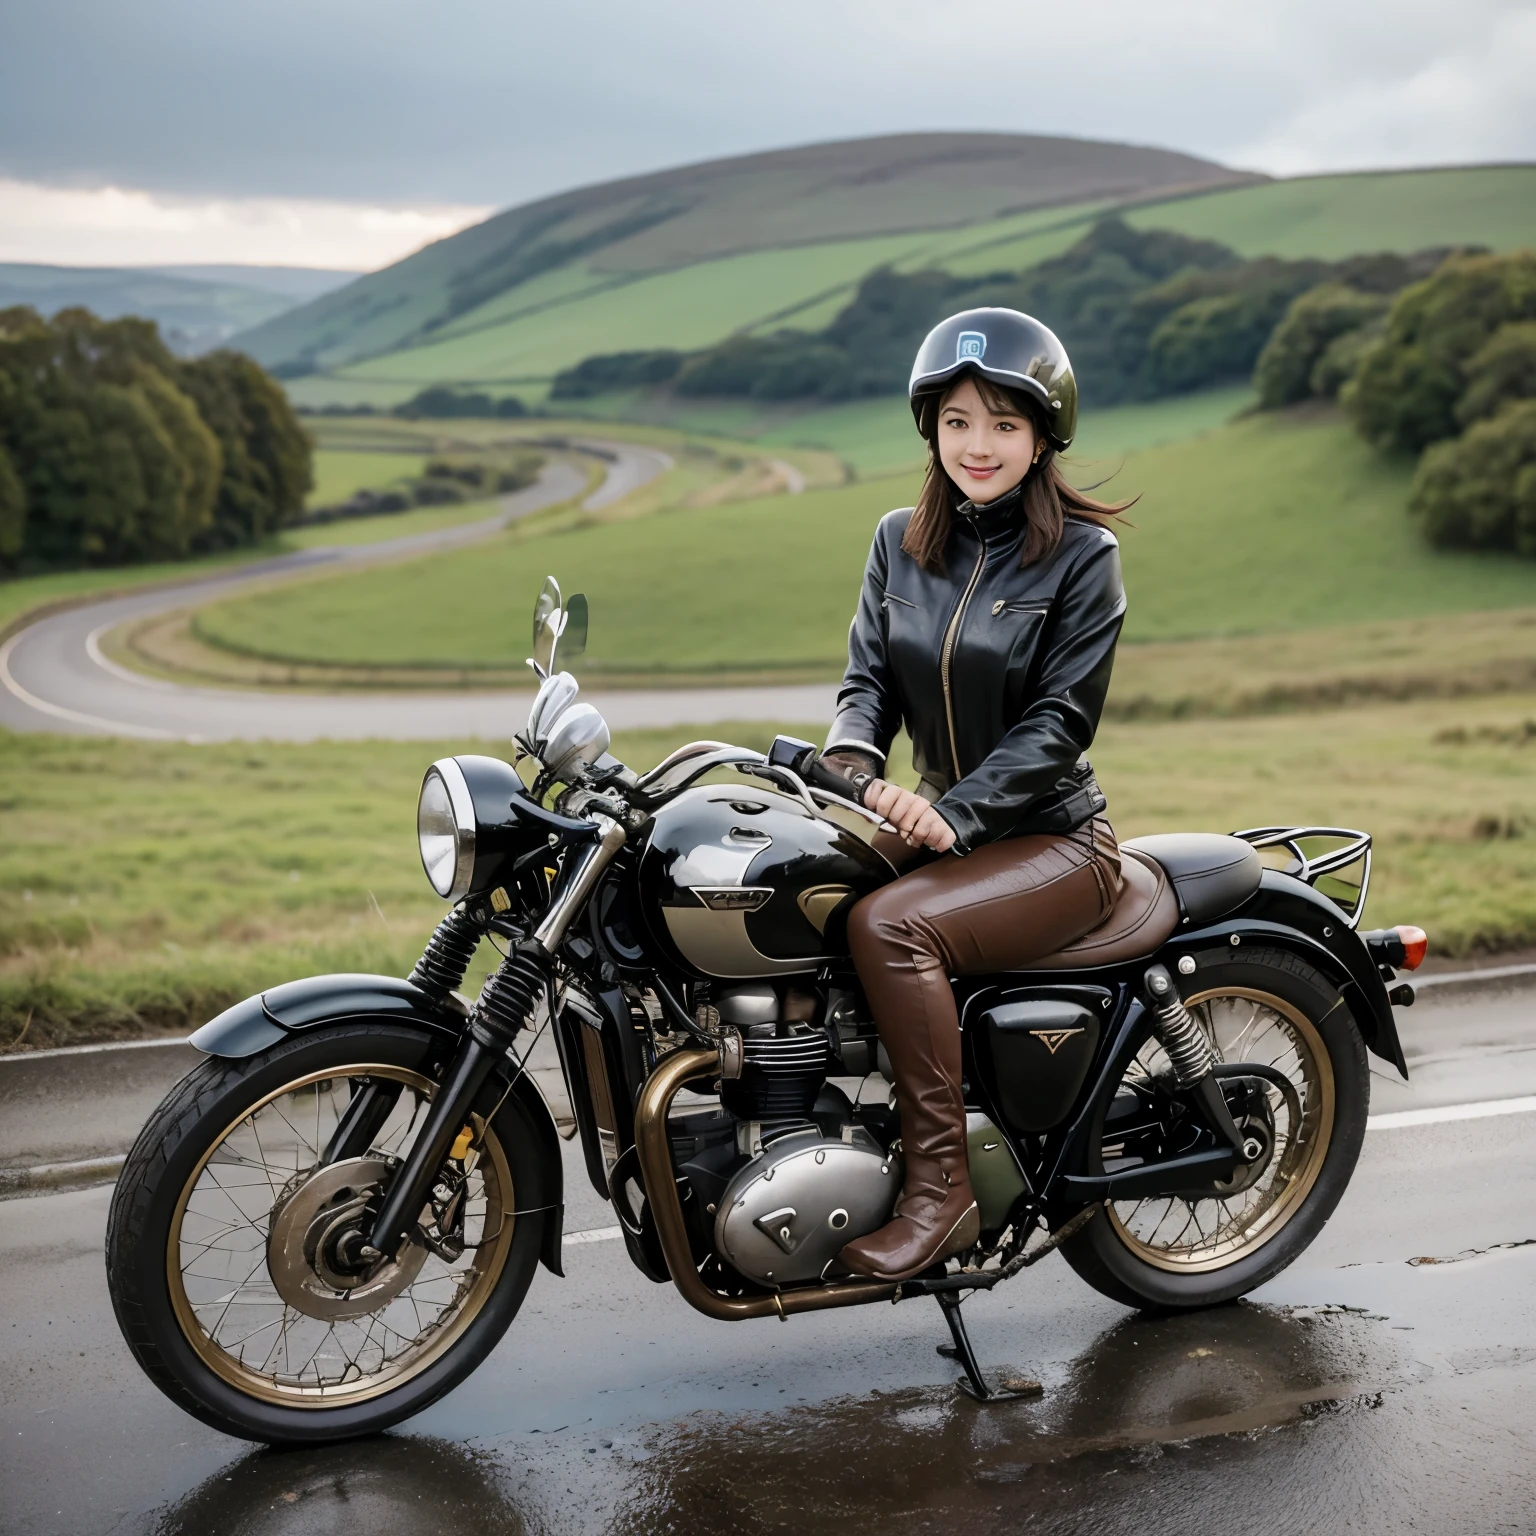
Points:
(936, 1215)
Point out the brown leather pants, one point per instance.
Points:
(995, 909)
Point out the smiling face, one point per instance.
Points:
(986, 452)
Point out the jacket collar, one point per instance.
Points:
(996, 519)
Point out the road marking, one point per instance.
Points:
(31, 700)
(1397, 1119)
(139, 680)
(1452, 978)
(593, 1235)
(93, 1050)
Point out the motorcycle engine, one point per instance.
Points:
(782, 1174)
(786, 1214)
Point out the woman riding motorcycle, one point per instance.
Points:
(987, 627)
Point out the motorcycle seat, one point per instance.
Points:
(1211, 874)
(1198, 875)
(1140, 922)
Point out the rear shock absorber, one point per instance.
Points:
(1189, 1053)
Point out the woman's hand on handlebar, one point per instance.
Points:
(919, 824)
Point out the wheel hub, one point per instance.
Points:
(314, 1235)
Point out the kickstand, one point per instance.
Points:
(975, 1384)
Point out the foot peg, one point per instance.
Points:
(975, 1385)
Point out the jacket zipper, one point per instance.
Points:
(949, 650)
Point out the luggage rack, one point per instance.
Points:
(1323, 870)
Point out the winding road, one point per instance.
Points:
(54, 675)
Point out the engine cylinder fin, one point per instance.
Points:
(781, 1076)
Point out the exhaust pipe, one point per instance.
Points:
(654, 1150)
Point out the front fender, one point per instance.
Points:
(262, 1021)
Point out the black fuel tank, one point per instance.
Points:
(744, 882)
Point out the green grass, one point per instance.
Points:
(768, 586)
(355, 451)
(390, 525)
(1337, 216)
(145, 886)
(690, 307)
(341, 472)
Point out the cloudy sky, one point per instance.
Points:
(345, 133)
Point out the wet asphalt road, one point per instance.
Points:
(1360, 1391)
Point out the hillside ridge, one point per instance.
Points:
(807, 194)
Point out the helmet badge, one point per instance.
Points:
(970, 347)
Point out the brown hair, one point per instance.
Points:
(1047, 498)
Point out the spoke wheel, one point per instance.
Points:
(1264, 1007)
(252, 1249)
(1187, 1235)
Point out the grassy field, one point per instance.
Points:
(768, 586)
(357, 452)
(876, 437)
(341, 472)
(1336, 216)
(144, 886)
(522, 336)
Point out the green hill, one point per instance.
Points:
(516, 340)
(596, 238)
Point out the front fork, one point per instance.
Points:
(506, 1003)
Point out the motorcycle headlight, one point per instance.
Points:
(445, 829)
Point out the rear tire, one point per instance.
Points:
(206, 1370)
(1289, 995)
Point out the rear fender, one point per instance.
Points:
(261, 1022)
(1289, 914)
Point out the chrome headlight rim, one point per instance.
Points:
(461, 806)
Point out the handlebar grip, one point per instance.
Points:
(823, 778)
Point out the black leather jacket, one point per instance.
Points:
(997, 670)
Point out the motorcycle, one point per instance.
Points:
(336, 1215)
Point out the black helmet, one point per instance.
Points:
(1010, 348)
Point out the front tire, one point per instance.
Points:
(1174, 1254)
(222, 1299)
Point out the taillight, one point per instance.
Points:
(1415, 944)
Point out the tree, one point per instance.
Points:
(1287, 369)
(266, 472)
(13, 507)
(1501, 370)
(1478, 491)
(1406, 393)
(116, 451)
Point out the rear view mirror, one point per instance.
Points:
(556, 629)
(547, 619)
(573, 635)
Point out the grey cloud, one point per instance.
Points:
(496, 102)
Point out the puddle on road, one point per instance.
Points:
(395, 1485)
(889, 1461)
(885, 1462)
